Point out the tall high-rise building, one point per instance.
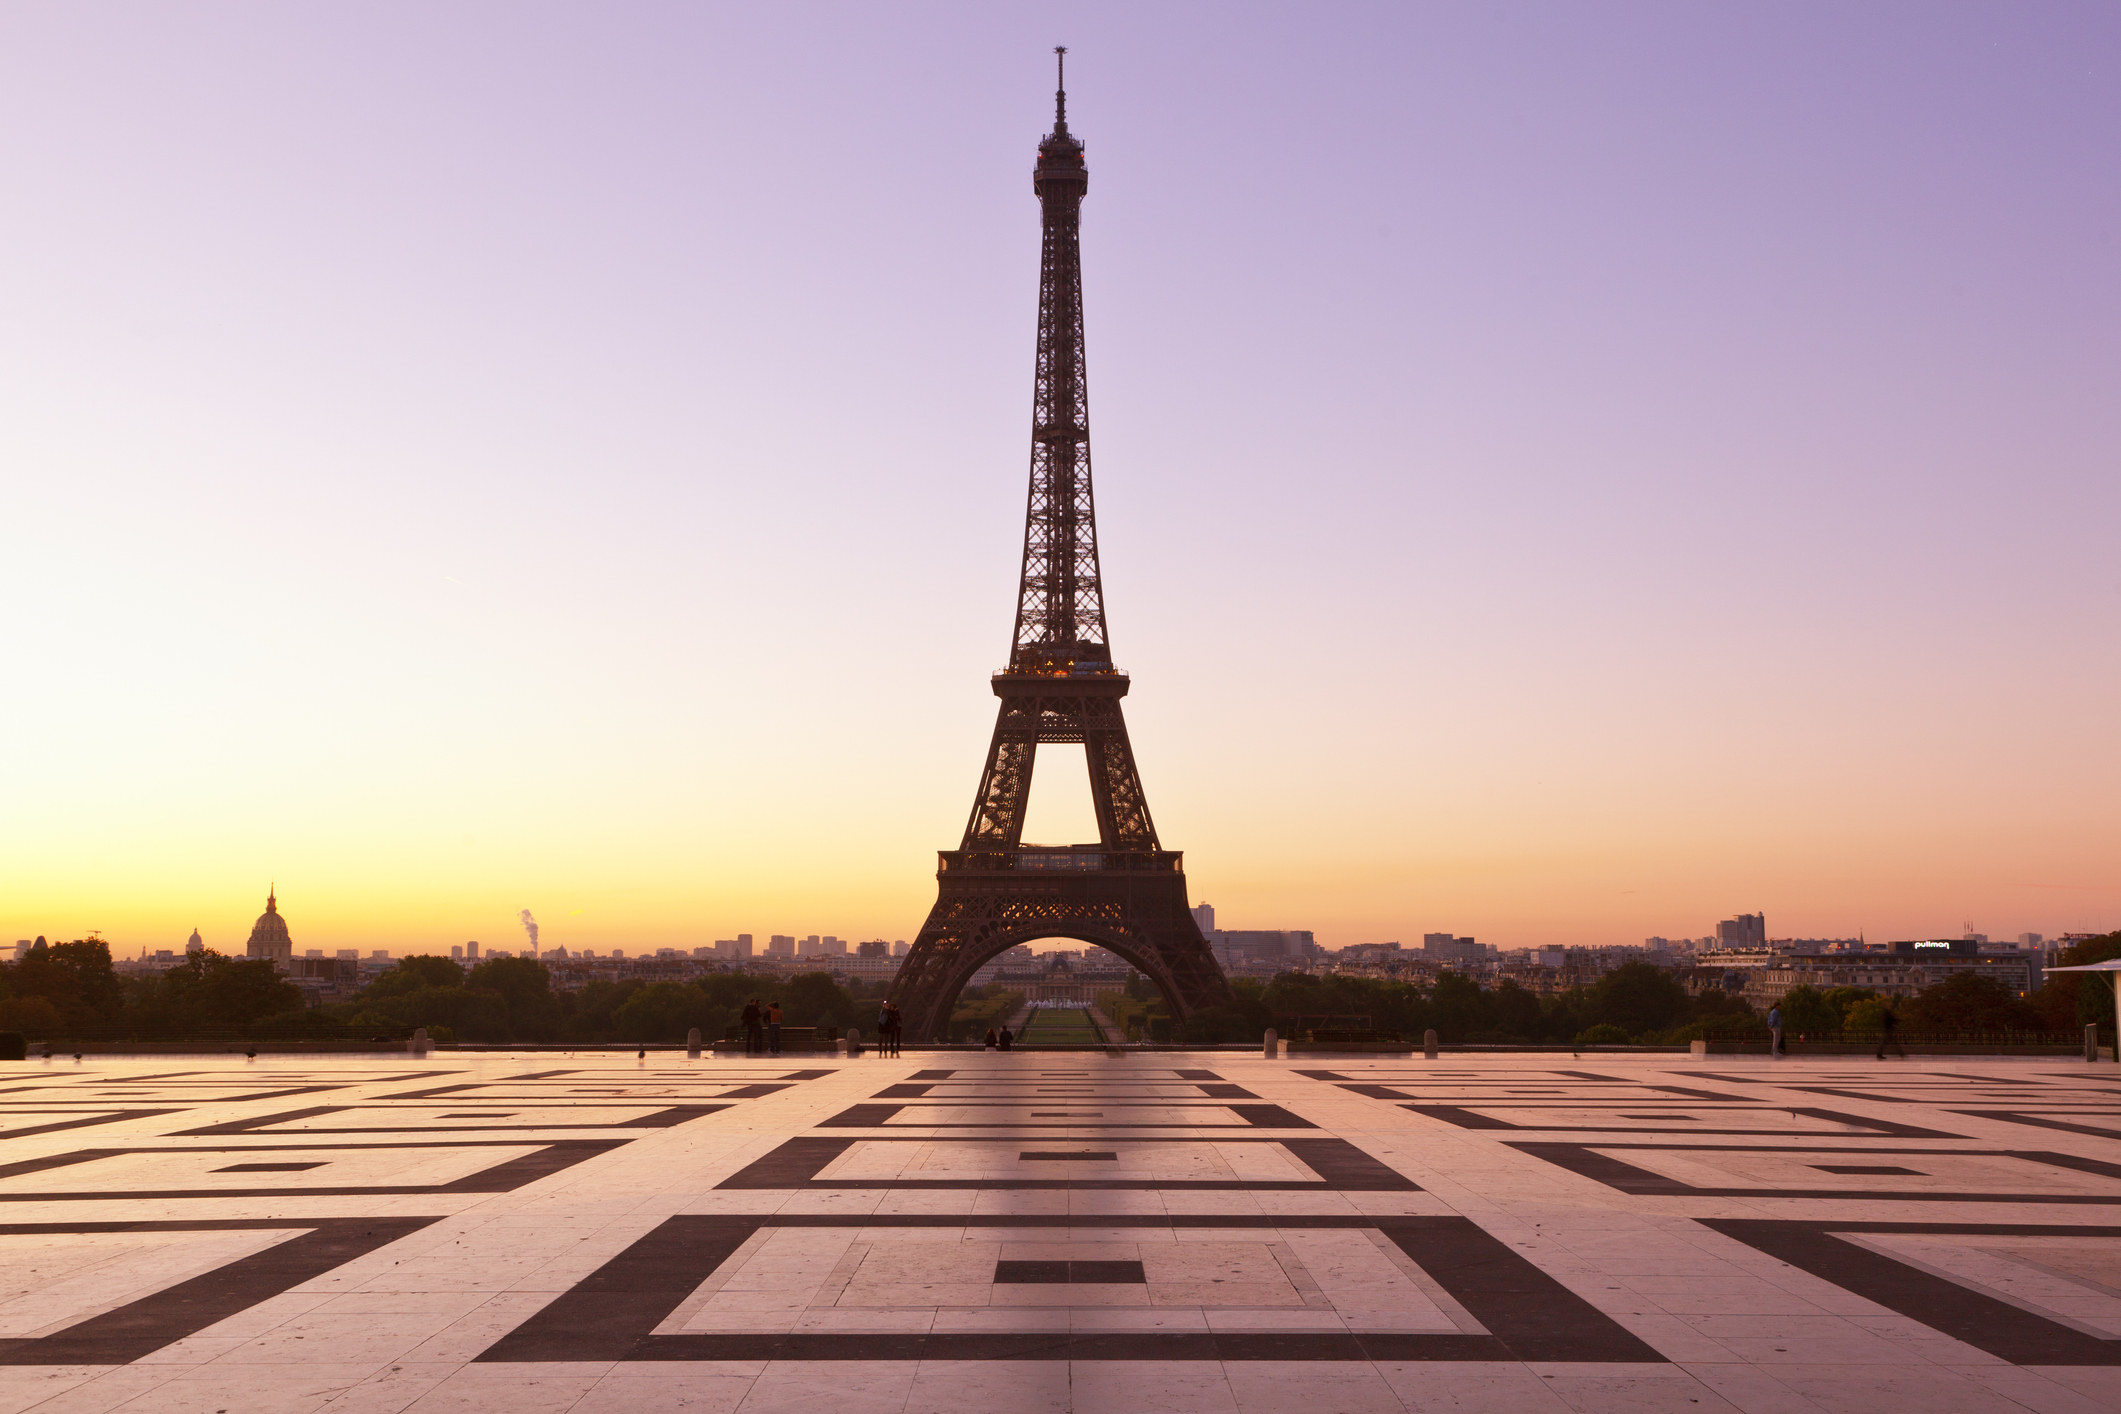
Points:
(471, 950)
(1204, 918)
(780, 945)
(1747, 930)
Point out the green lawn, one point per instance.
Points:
(1060, 1026)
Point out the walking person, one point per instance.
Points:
(773, 1027)
(1890, 1025)
(898, 1025)
(754, 1029)
(1774, 1026)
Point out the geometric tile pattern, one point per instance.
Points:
(1058, 1230)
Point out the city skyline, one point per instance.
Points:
(1602, 474)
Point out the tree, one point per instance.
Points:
(412, 974)
(1458, 1007)
(525, 987)
(207, 989)
(813, 999)
(1517, 1013)
(1967, 1001)
(1806, 1011)
(1638, 997)
(2075, 999)
(76, 978)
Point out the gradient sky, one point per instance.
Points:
(1566, 473)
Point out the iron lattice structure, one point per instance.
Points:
(1125, 892)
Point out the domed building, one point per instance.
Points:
(268, 936)
(194, 943)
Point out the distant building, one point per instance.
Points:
(193, 944)
(780, 945)
(1446, 949)
(1899, 969)
(877, 948)
(1747, 930)
(269, 941)
(471, 950)
(456, 951)
(1204, 918)
(1260, 949)
(899, 948)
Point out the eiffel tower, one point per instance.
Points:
(1125, 892)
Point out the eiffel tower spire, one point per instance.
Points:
(1060, 601)
(1125, 892)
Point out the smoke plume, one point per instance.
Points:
(530, 926)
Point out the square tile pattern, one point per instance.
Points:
(1057, 1230)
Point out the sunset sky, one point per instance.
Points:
(1565, 473)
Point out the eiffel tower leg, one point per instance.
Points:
(1116, 790)
(1005, 787)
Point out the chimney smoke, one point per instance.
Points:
(530, 926)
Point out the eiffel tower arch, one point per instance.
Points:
(1125, 892)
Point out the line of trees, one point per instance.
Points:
(1635, 1003)
(70, 989)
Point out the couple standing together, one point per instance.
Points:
(762, 1028)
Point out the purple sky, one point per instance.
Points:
(1565, 473)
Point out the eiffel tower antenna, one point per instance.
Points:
(1126, 892)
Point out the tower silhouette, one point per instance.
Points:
(1125, 892)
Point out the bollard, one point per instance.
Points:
(2091, 1042)
(419, 1042)
(1271, 1047)
(1428, 1044)
(692, 1044)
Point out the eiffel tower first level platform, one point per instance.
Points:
(1125, 892)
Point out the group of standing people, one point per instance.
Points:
(762, 1028)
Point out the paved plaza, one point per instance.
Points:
(978, 1233)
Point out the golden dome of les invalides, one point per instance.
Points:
(268, 936)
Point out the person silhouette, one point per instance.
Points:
(1889, 1025)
